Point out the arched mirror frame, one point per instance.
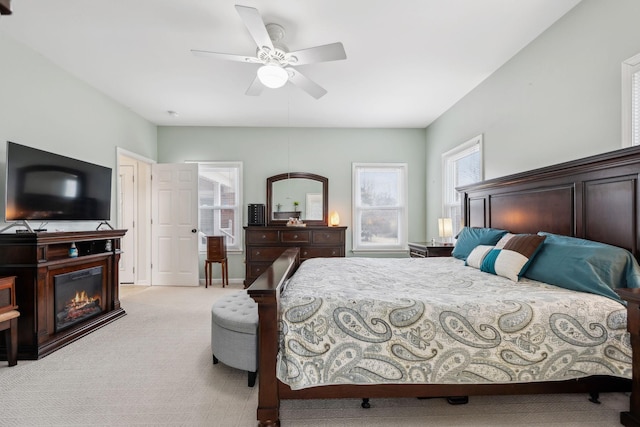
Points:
(325, 197)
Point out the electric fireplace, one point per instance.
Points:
(77, 296)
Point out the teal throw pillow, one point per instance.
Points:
(584, 265)
(470, 237)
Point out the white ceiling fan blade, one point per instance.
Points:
(226, 56)
(254, 23)
(255, 89)
(327, 52)
(305, 83)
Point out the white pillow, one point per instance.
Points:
(477, 255)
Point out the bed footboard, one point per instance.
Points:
(265, 291)
(632, 296)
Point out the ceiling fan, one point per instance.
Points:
(277, 62)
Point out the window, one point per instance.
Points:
(631, 101)
(219, 201)
(460, 166)
(379, 206)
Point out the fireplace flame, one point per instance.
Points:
(81, 297)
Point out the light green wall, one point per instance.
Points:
(327, 152)
(558, 99)
(45, 107)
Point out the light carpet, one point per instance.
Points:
(153, 367)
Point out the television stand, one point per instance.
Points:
(40, 262)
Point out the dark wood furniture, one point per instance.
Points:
(9, 317)
(216, 253)
(35, 259)
(596, 198)
(289, 179)
(631, 418)
(426, 249)
(263, 245)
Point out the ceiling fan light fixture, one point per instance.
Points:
(272, 76)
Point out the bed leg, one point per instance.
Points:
(365, 403)
(594, 397)
(458, 400)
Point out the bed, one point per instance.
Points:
(595, 199)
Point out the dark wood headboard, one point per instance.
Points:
(594, 198)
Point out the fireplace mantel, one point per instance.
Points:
(36, 259)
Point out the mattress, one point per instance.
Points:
(434, 320)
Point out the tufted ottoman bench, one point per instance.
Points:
(234, 333)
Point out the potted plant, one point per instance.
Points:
(295, 206)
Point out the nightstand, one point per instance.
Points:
(426, 249)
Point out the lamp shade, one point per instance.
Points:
(445, 227)
(272, 76)
(334, 219)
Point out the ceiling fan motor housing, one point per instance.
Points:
(276, 59)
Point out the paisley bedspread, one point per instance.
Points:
(434, 320)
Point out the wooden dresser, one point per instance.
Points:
(264, 244)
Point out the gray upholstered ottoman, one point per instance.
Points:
(234, 333)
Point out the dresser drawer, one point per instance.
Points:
(417, 252)
(263, 245)
(265, 253)
(317, 252)
(443, 251)
(294, 236)
(262, 236)
(256, 269)
(328, 237)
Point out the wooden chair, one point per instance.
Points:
(216, 252)
(9, 317)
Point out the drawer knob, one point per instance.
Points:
(304, 253)
(295, 236)
(257, 252)
(326, 236)
(264, 236)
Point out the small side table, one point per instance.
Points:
(426, 249)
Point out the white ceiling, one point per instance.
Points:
(408, 61)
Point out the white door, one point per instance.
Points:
(127, 215)
(174, 213)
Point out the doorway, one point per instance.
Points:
(133, 188)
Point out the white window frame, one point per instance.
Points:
(451, 201)
(631, 101)
(234, 240)
(402, 207)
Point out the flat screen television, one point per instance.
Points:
(49, 187)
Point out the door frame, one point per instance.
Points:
(142, 259)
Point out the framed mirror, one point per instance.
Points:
(297, 195)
